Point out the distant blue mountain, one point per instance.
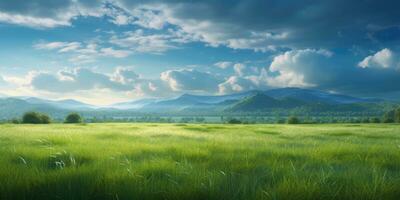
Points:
(133, 104)
(193, 102)
(250, 101)
(64, 104)
(292, 96)
(316, 96)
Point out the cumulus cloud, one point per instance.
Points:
(294, 67)
(322, 70)
(190, 80)
(77, 79)
(80, 80)
(125, 76)
(384, 58)
(237, 84)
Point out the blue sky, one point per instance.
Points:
(103, 52)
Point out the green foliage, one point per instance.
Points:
(73, 118)
(389, 117)
(45, 119)
(15, 121)
(366, 120)
(35, 118)
(216, 161)
(234, 121)
(293, 120)
(397, 115)
(375, 120)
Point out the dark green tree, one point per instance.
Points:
(234, 121)
(73, 118)
(45, 119)
(293, 120)
(389, 117)
(397, 115)
(375, 120)
(35, 118)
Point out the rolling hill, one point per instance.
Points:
(286, 100)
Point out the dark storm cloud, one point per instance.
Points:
(309, 23)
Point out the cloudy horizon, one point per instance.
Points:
(107, 51)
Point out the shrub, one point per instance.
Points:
(280, 121)
(234, 121)
(389, 117)
(45, 119)
(73, 118)
(397, 115)
(15, 121)
(35, 118)
(365, 120)
(375, 120)
(293, 120)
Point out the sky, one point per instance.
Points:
(107, 51)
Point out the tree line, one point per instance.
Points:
(391, 116)
(42, 118)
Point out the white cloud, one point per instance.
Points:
(384, 58)
(148, 18)
(140, 42)
(32, 21)
(46, 13)
(58, 45)
(237, 84)
(78, 81)
(239, 69)
(115, 53)
(223, 64)
(75, 80)
(83, 53)
(293, 67)
(190, 80)
(72, 46)
(125, 75)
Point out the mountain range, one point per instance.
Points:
(284, 100)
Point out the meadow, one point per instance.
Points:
(199, 161)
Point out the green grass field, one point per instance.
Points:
(178, 161)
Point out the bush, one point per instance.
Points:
(45, 119)
(389, 117)
(293, 120)
(234, 121)
(73, 118)
(35, 118)
(397, 115)
(375, 120)
(280, 121)
(365, 120)
(15, 121)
